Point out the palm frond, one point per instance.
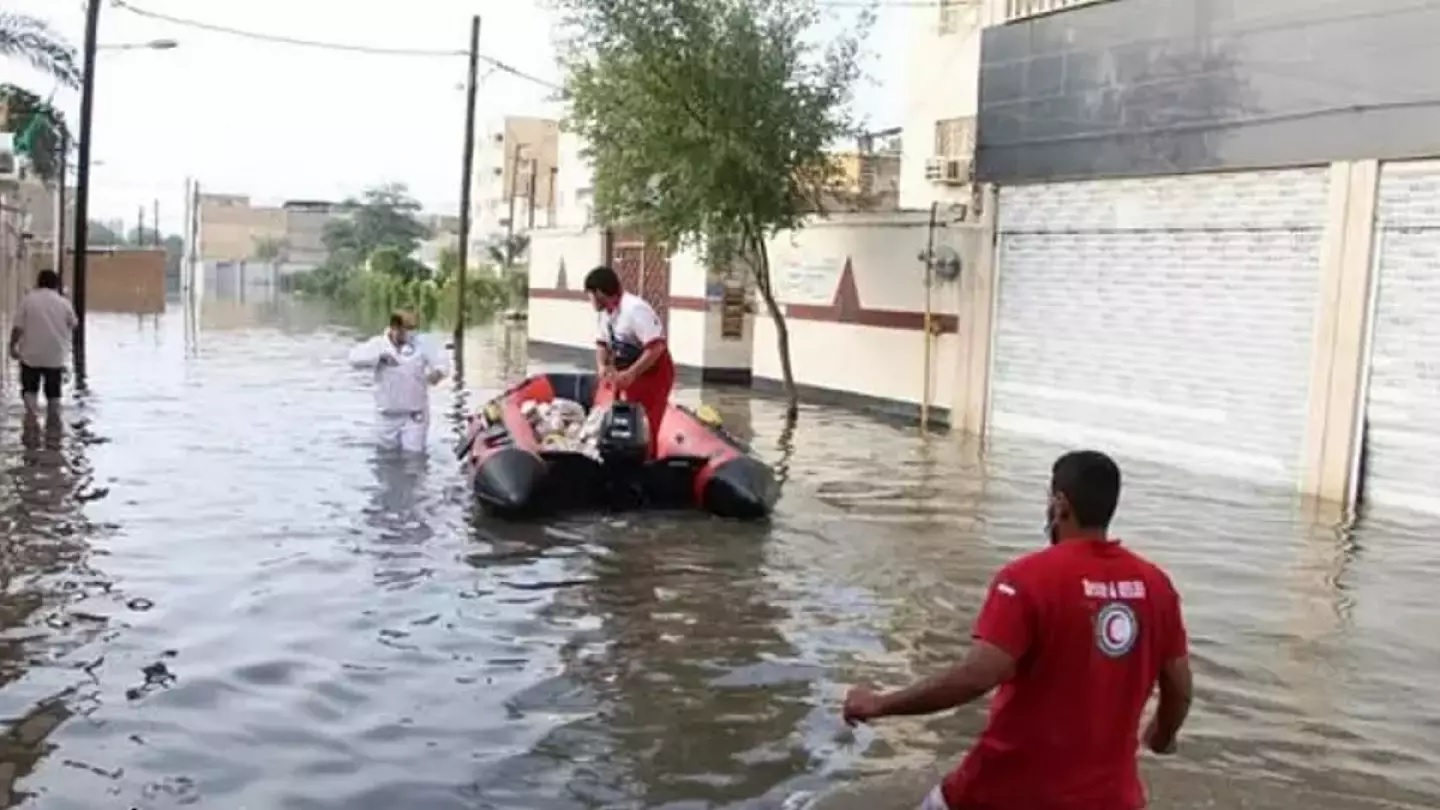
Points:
(32, 39)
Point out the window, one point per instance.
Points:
(955, 137)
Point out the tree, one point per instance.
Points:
(708, 122)
(506, 251)
(389, 261)
(383, 217)
(33, 40)
(98, 234)
(39, 123)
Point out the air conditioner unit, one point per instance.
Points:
(948, 170)
(956, 172)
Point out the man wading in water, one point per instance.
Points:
(1075, 637)
(40, 339)
(405, 366)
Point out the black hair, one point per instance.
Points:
(397, 320)
(49, 279)
(602, 280)
(1090, 482)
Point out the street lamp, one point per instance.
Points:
(152, 45)
(82, 179)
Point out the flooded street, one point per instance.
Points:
(214, 594)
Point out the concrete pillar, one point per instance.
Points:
(1338, 359)
(712, 329)
(976, 325)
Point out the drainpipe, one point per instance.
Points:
(929, 277)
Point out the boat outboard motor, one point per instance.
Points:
(624, 448)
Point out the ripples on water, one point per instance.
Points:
(213, 593)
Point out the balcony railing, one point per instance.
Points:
(1008, 11)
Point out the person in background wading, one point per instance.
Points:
(1074, 639)
(630, 350)
(405, 366)
(40, 338)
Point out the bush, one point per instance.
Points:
(372, 295)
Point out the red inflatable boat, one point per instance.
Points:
(695, 463)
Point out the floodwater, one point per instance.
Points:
(214, 594)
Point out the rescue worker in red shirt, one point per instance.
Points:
(630, 350)
(1074, 639)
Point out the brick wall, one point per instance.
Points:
(124, 280)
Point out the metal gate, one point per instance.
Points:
(1402, 396)
(644, 269)
(1165, 318)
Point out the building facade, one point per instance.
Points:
(1214, 235)
(1186, 232)
(517, 164)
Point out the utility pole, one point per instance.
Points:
(60, 161)
(534, 168)
(467, 166)
(155, 222)
(139, 226)
(82, 186)
(550, 205)
(514, 186)
(195, 268)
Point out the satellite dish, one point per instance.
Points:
(945, 263)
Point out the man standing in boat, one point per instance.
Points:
(630, 350)
(405, 366)
(1075, 638)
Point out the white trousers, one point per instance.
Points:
(406, 432)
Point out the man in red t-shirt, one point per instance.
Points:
(1075, 637)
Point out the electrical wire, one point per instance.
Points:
(371, 50)
(376, 50)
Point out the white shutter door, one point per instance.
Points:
(1402, 437)
(1164, 318)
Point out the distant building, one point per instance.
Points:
(517, 161)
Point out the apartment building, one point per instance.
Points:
(517, 163)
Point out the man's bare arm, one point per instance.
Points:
(602, 358)
(1177, 690)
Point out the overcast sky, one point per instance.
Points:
(278, 121)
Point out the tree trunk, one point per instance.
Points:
(761, 269)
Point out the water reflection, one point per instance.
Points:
(53, 603)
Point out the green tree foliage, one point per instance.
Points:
(384, 217)
(371, 268)
(31, 39)
(709, 121)
(389, 261)
(98, 234)
(44, 124)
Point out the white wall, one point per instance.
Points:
(881, 362)
(573, 183)
(562, 321)
(943, 81)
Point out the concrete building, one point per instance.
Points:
(574, 185)
(870, 173)
(304, 238)
(517, 163)
(1168, 249)
(230, 227)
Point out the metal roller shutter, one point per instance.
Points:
(1402, 437)
(1165, 318)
